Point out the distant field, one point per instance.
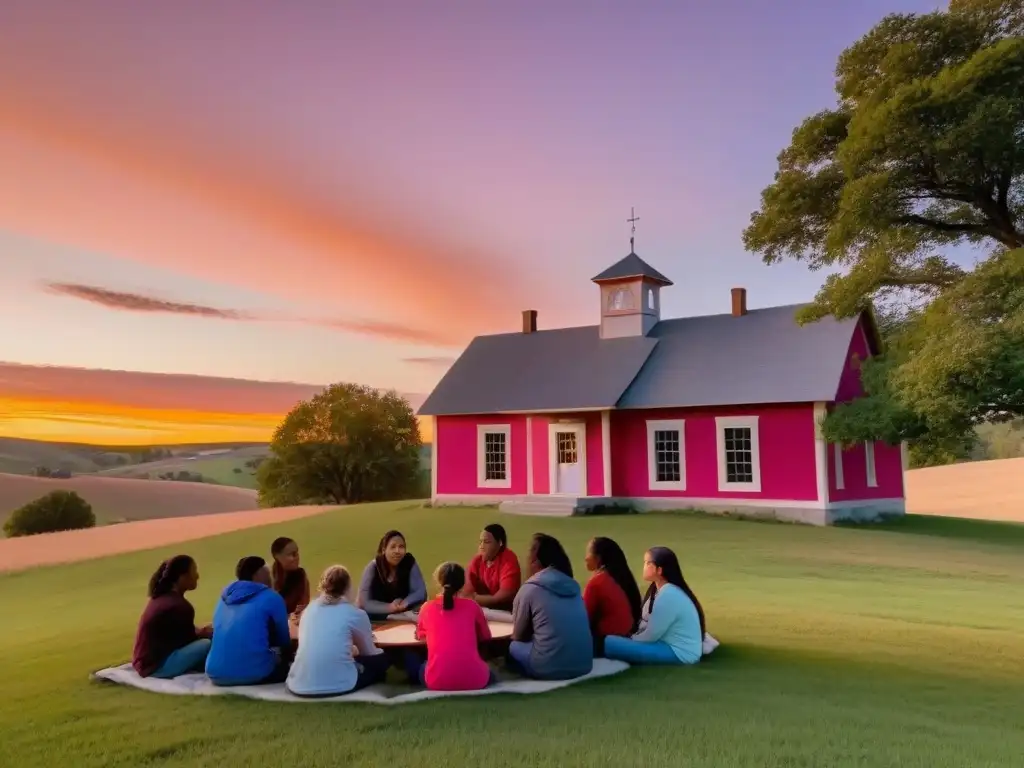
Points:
(23, 457)
(219, 468)
(115, 499)
(982, 490)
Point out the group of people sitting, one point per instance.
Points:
(557, 628)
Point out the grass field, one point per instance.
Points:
(216, 469)
(901, 646)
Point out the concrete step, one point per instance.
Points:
(545, 507)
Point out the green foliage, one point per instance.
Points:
(923, 151)
(1000, 441)
(348, 444)
(56, 511)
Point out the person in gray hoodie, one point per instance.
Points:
(551, 637)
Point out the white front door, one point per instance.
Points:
(568, 445)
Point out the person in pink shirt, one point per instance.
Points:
(453, 628)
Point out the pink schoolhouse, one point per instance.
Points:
(717, 413)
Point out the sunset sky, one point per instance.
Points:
(250, 191)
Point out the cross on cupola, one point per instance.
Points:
(630, 293)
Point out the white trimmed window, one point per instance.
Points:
(837, 451)
(739, 455)
(494, 460)
(666, 455)
(869, 461)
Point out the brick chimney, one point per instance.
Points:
(739, 302)
(529, 321)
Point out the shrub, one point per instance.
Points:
(56, 511)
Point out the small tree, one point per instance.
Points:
(348, 444)
(56, 511)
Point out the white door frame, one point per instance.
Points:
(580, 428)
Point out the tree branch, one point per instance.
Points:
(893, 281)
(945, 226)
(1005, 234)
(1003, 185)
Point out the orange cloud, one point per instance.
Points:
(133, 408)
(135, 302)
(182, 206)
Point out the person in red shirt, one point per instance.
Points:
(494, 577)
(453, 628)
(611, 595)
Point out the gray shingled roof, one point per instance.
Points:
(631, 266)
(559, 369)
(761, 357)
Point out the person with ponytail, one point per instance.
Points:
(494, 577)
(392, 582)
(331, 628)
(611, 595)
(167, 642)
(289, 579)
(672, 619)
(453, 628)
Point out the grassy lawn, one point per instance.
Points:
(217, 469)
(901, 646)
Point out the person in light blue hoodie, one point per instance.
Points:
(330, 629)
(671, 628)
(252, 642)
(551, 638)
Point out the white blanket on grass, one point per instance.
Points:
(710, 643)
(200, 685)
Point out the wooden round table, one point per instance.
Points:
(404, 635)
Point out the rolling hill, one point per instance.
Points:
(119, 499)
(224, 467)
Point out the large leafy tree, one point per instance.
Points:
(923, 152)
(348, 444)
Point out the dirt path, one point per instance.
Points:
(71, 546)
(983, 490)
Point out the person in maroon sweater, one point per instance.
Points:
(168, 643)
(611, 595)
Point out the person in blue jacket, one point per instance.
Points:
(252, 642)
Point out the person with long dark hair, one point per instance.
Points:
(392, 582)
(672, 619)
(289, 579)
(551, 637)
(453, 628)
(494, 577)
(611, 595)
(167, 642)
(251, 638)
(331, 627)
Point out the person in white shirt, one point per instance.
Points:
(330, 626)
(671, 627)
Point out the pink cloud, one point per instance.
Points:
(136, 302)
(436, 362)
(141, 193)
(133, 389)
